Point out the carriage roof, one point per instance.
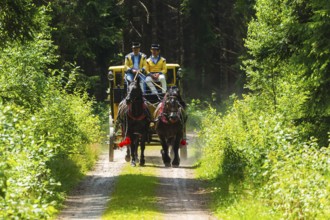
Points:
(116, 67)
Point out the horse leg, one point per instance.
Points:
(133, 150)
(170, 143)
(128, 154)
(136, 150)
(143, 145)
(166, 158)
(176, 146)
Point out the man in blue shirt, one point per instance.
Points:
(135, 63)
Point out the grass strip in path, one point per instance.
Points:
(134, 195)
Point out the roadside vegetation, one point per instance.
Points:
(48, 129)
(254, 157)
(267, 155)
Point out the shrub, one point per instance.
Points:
(26, 184)
(297, 184)
(250, 148)
(46, 130)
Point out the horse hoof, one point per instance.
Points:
(128, 158)
(142, 162)
(133, 164)
(176, 163)
(167, 164)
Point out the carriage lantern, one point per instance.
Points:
(110, 76)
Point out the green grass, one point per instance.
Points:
(71, 170)
(230, 200)
(134, 195)
(247, 209)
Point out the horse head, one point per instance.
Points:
(172, 105)
(134, 91)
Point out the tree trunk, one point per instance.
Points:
(180, 37)
(154, 26)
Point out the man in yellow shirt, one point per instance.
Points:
(156, 69)
(135, 63)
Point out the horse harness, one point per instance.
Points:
(140, 117)
(164, 117)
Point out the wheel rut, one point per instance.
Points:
(179, 194)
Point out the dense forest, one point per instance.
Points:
(266, 62)
(204, 37)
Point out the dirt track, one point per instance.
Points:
(88, 200)
(180, 195)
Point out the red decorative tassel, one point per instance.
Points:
(125, 142)
(183, 142)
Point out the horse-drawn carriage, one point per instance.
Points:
(118, 91)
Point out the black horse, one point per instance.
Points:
(134, 117)
(169, 124)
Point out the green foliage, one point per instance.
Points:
(288, 48)
(251, 148)
(18, 20)
(88, 33)
(22, 79)
(27, 184)
(195, 114)
(296, 179)
(263, 147)
(47, 127)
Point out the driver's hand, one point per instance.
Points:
(134, 71)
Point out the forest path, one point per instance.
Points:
(179, 194)
(89, 199)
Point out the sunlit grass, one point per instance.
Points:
(134, 195)
(247, 209)
(71, 170)
(230, 202)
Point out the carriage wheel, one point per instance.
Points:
(111, 145)
(111, 139)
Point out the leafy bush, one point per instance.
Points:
(46, 132)
(195, 114)
(33, 147)
(250, 148)
(297, 184)
(26, 182)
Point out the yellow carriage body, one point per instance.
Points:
(117, 92)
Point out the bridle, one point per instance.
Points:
(130, 100)
(171, 114)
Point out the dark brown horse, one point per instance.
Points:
(135, 120)
(169, 124)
